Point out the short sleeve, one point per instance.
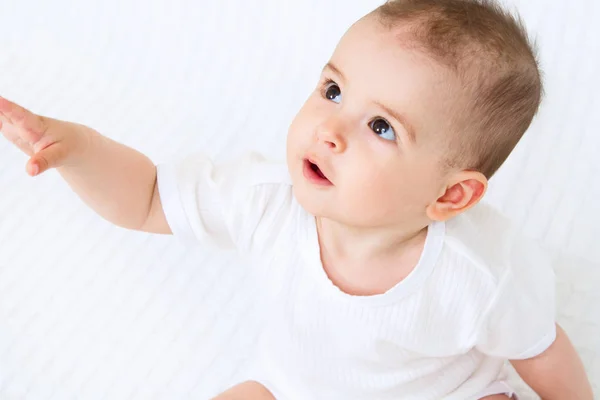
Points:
(220, 205)
(520, 321)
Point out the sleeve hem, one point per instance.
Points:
(539, 347)
(172, 205)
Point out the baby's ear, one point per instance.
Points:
(463, 191)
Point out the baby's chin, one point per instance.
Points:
(313, 203)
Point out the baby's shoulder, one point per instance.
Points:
(258, 170)
(486, 240)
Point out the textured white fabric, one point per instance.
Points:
(480, 294)
(499, 387)
(91, 311)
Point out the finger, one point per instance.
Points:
(50, 157)
(32, 126)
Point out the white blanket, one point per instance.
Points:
(90, 311)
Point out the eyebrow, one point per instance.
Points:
(335, 70)
(410, 131)
(412, 138)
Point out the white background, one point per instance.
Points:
(90, 311)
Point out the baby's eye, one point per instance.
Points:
(333, 92)
(382, 128)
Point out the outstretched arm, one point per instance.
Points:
(116, 181)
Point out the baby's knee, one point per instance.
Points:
(246, 390)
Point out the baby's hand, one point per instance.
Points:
(48, 142)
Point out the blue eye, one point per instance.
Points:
(382, 128)
(333, 92)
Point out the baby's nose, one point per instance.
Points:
(331, 133)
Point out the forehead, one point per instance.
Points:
(380, 65)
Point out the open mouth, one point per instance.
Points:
(315, 168)
(314, 174)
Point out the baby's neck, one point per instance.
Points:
(343, 241)
(368, 261)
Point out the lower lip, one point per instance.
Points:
(313, 177)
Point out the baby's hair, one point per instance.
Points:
(488, 49)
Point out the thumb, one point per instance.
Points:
(50, 157)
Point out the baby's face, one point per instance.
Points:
(362, 149)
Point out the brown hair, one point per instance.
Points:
(489, 51)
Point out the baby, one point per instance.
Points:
(383, 276)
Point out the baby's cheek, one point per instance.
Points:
(373, 196)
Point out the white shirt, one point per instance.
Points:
(480, 294)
